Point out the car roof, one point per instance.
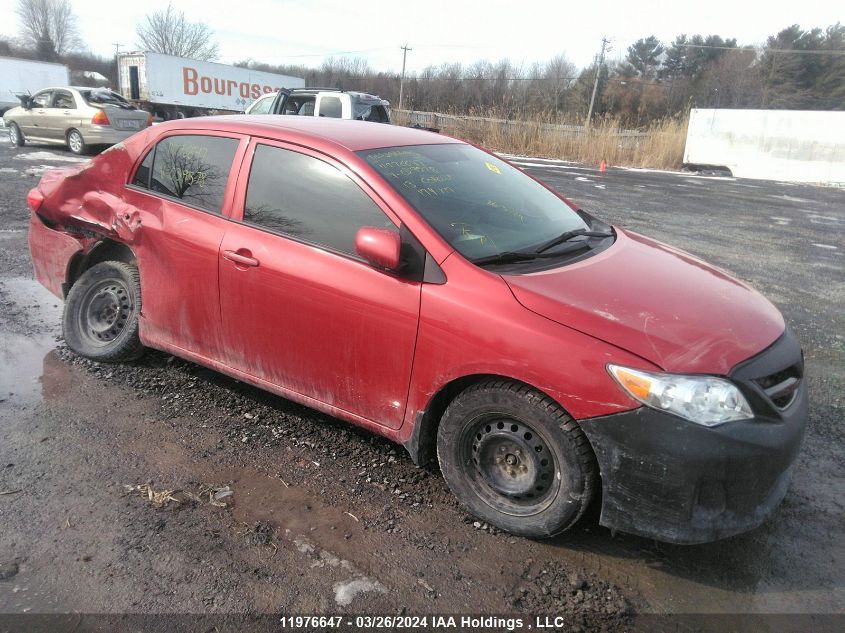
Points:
(355, 94)
(351, 135)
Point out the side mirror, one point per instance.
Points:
(26, 102)
(380, 247)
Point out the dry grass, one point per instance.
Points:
(660, 145)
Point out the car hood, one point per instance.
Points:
(658, 302)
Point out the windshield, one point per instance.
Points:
(481, 205)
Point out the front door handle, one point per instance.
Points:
(241, 257)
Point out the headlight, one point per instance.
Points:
(701, 399)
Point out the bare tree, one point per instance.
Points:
(169, 32)
(558, 74)
(48, 26)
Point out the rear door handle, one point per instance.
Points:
(241, 257)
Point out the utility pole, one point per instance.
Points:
(117, 46)
(405, 50)
(604, 43)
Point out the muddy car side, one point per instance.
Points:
(381, 321)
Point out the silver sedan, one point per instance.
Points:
(74, 116)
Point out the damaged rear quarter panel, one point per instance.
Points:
(51, 252)
(82, 205)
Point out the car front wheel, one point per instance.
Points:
(76, 143)
(101, 313)
(15, 135)
(515, 459)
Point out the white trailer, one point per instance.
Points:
(788, 145)
(174, 87)
(25, 76)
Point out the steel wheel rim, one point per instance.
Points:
(510, 465)
(104, 311)
(13, 134)
(75, 141)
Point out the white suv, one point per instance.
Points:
(327, 102)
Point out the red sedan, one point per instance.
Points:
(427, 290)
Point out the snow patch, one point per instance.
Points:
(345, 592)
(50, 156)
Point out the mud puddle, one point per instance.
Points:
(28, 328)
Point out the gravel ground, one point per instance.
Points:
(325, 517)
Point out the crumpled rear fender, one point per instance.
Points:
(82, 205)
(89, 196)
(52, 252)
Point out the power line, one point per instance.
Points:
(765, 49)
(330, 54)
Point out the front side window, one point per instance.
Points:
(302, 105)
(330, 107)
(192, 168)
(308, 199)
(481, 205)
(42, 99)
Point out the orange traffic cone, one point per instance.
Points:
(603, 167)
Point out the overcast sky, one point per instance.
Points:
(306, 31)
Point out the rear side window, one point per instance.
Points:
(330, 107)
(63, 99)
(374, 113)
(306, 198)
(379, 115)
(192, 168)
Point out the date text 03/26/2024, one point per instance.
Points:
(422, 622)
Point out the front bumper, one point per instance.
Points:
(680, 482)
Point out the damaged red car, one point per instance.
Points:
(429, 291)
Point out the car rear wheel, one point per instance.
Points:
(76, 143)
(15, 135)
(515, 459)
(101, 313)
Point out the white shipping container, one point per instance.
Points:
(164, 79)
(25, 76)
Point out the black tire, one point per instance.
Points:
(16, 136)
(515, 459)
(76, 144)
(101, 313)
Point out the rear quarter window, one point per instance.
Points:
(191, 168)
